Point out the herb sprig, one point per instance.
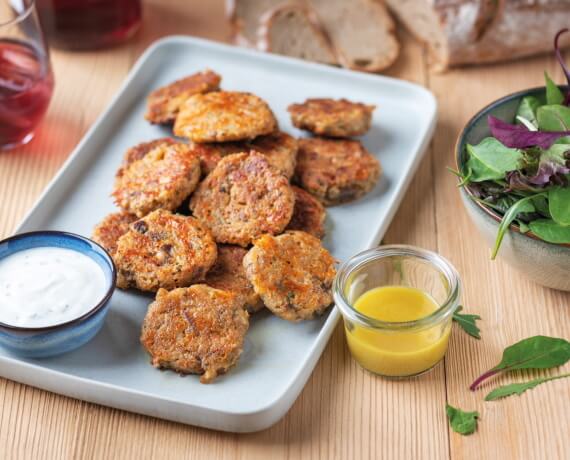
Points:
(520, 388)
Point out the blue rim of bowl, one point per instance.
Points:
(93, 310)
(459, 153)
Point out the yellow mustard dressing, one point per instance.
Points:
(397, 353)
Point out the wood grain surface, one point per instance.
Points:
(344, 412)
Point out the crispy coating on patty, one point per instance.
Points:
(292, 273)
(195, 330)
(139, 151)
(309, 214)
(228, 274)
(335, 171)
(163, 178)
(163, 104)
(224, 116)
(333, 118)
(111, 228)
(243, 198)
(279, 148)
(164, 250)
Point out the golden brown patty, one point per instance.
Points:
(228, 274)
(164, 103)
(309, 214)
(211, 154)
(224, 116)
(279, 148)
(111, 228)
(330, 117)
(140, 150)
(334, 170)
(243, 198)
(195, 330)
(164, 250)
(163, 178)
(292, 273)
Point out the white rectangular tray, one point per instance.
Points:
(279, 356)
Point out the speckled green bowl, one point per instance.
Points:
(545, 263)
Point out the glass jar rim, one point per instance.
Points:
(21, 16)
(442, 265)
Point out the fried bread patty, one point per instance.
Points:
(163, 104)
(228, 274)
(309, 214)
(335, 171)
(224, 116)
(330, 117)
(111, 228)
(162, 179)
(195, 330)
(164, 250)
(292, 273)
(243, 198)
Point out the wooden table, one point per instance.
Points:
(343, 412)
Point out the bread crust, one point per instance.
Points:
(482, 31)
(243, 198)
(292, 273)
(195, 330)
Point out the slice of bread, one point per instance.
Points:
(361, 31)
(294, 30)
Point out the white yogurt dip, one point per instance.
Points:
(47, 286)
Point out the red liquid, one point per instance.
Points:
(87, 24)
(26, 85)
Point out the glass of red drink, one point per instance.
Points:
(26, 79)
(89, 24)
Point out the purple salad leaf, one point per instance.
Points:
(520, 137)
(565, 69)
(553, 165)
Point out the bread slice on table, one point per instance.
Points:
(479, 31)
(294, 30)
(361, 31)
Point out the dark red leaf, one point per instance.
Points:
(520, 137)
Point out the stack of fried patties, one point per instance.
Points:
(214, 226)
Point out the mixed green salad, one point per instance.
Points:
(523, 170)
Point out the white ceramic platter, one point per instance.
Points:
(279, 356)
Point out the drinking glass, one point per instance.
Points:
(26, 79)
(89, 24)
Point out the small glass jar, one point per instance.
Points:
(397, 349)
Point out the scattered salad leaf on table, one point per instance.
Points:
(461, 422)
(538, 352)
(520, 388)
(467, 322)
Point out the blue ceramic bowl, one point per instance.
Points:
(42, 342)
(545, 263)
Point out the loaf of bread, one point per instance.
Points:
(361, 31)
(477, 31)
(295, 30)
